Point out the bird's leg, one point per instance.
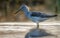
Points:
(37, 25)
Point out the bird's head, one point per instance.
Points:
(22, 7)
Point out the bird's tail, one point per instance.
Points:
(52, 16)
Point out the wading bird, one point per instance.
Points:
(35, 17)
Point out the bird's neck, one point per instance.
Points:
(26, 11)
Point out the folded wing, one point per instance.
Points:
(42, 15)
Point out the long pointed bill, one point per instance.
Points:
(17, 11)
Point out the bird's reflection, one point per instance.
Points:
(37, 33)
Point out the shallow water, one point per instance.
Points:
(20, 31)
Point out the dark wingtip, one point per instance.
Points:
(55, 15)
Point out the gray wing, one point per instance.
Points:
(42, 15)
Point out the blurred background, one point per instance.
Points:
(9, 7)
